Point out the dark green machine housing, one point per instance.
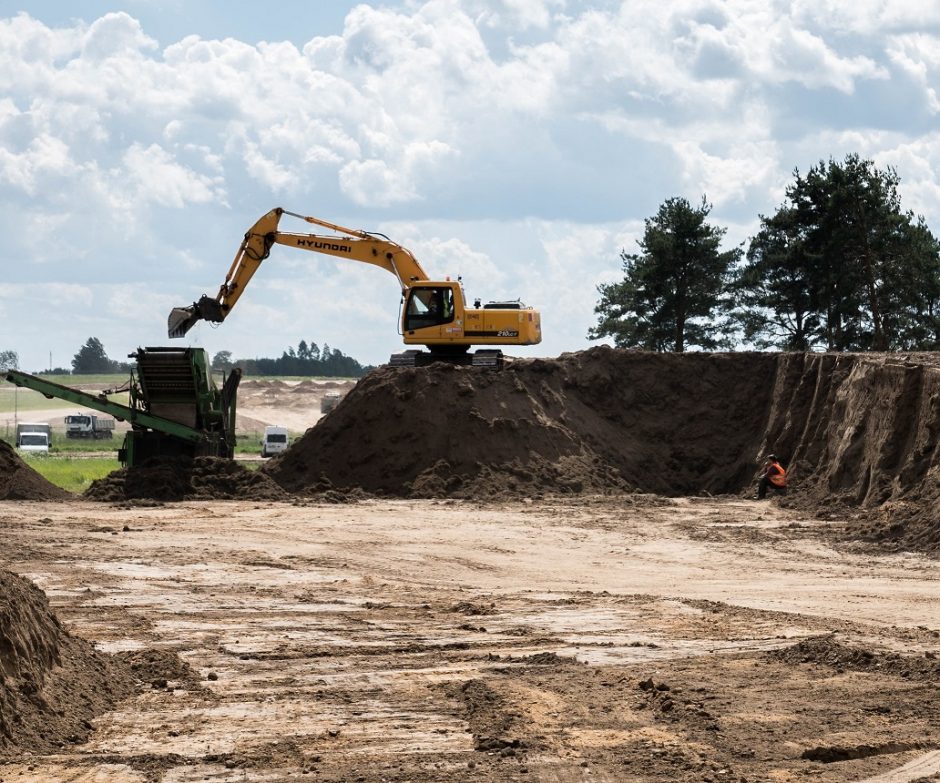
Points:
(176, 384)
(176, 408)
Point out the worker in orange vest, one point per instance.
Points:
(774, 477)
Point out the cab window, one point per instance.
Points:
(429, 307)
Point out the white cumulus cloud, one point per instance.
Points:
(523, 139)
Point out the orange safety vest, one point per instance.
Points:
(778, 478)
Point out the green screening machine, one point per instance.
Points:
(176, 408)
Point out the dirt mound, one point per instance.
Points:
(202, 478)
(491, 719)
(160, 668)
(597, 421)
(51, 683)
(825, 650)
(18, 481)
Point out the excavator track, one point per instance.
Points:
(490, 359)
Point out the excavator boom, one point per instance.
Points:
(352, 244)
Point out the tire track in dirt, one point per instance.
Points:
(342, 640)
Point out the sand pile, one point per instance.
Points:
(51, 683)
(173, 479)
(597, 421)
(18, 481)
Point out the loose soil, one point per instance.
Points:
(52, 684)
(18, 481)
(597, 421)
(174, 479)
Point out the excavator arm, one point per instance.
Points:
(348, 243)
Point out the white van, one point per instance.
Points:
(33, 436)
(275, 440)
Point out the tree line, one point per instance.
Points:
(307, 359)
(839, 266)
(9, 360)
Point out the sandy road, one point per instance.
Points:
(637, 639)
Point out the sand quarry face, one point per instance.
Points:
(597, 616)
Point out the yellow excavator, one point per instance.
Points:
(434, 313)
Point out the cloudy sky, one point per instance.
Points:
(518, 143)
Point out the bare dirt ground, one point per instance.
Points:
(618, 639)
(291, 404)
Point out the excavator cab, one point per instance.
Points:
(436, 317)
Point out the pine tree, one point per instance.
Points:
(675, 294)
(840, 266)
(91, 358)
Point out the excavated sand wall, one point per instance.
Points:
(863, 429)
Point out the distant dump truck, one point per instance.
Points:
(275, 440)
(330, 400)
(33, 436)
(88, 425)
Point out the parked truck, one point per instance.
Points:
(330, 400)
(33, 436)
(88, 425)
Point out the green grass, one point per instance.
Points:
(248, 444)
(71, 473)
(27, 400)
(62, 445)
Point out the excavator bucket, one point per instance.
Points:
(181, 320)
